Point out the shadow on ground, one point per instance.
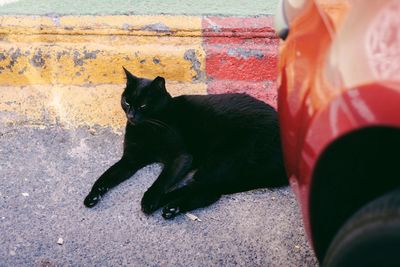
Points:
(45, 174)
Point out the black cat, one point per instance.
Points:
(231, 141)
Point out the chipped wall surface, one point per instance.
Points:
(68, 69)
(91, 63)
(92, 50)
(72, 105)
(241, 56)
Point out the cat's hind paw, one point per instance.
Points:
(170, 212)
(91, 200)
(150, 201)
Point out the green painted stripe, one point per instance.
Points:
(140, 7)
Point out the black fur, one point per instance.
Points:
(231, 141)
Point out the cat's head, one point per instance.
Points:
(143, 98)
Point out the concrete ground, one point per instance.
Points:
(45, 173)
(139, 7)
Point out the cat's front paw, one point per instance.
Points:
(170, 212)
(150, 201)
(92, 199)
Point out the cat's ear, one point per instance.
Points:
(130, 78)
(159, 82)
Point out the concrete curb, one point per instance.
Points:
(91, 50)
(241, 56)
(71, 65)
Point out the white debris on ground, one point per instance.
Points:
(192, 217)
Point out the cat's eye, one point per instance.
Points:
(142, 107)
(126, 103)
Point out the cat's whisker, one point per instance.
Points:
(158, 123)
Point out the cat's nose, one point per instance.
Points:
(131, 117)
(131, 114)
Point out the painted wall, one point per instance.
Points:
(68, 69)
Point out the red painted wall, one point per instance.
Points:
(241, 56)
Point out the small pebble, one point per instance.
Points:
(25, 194)
(60, 241)
(297, 247)
(12, 252)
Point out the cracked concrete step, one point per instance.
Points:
(69, 68)
(92, 50)
(72, 105)
(97, 63)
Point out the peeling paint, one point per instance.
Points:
(190, 55)
(78, 60)
(37, 59)
(60, 54)
(23, 70)
(59, 63)
(156, 60)
(127, 27)
(214, 26)
(13, 57)
(245, 53)
(56, 21)
(157, 27)
(90, 55)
